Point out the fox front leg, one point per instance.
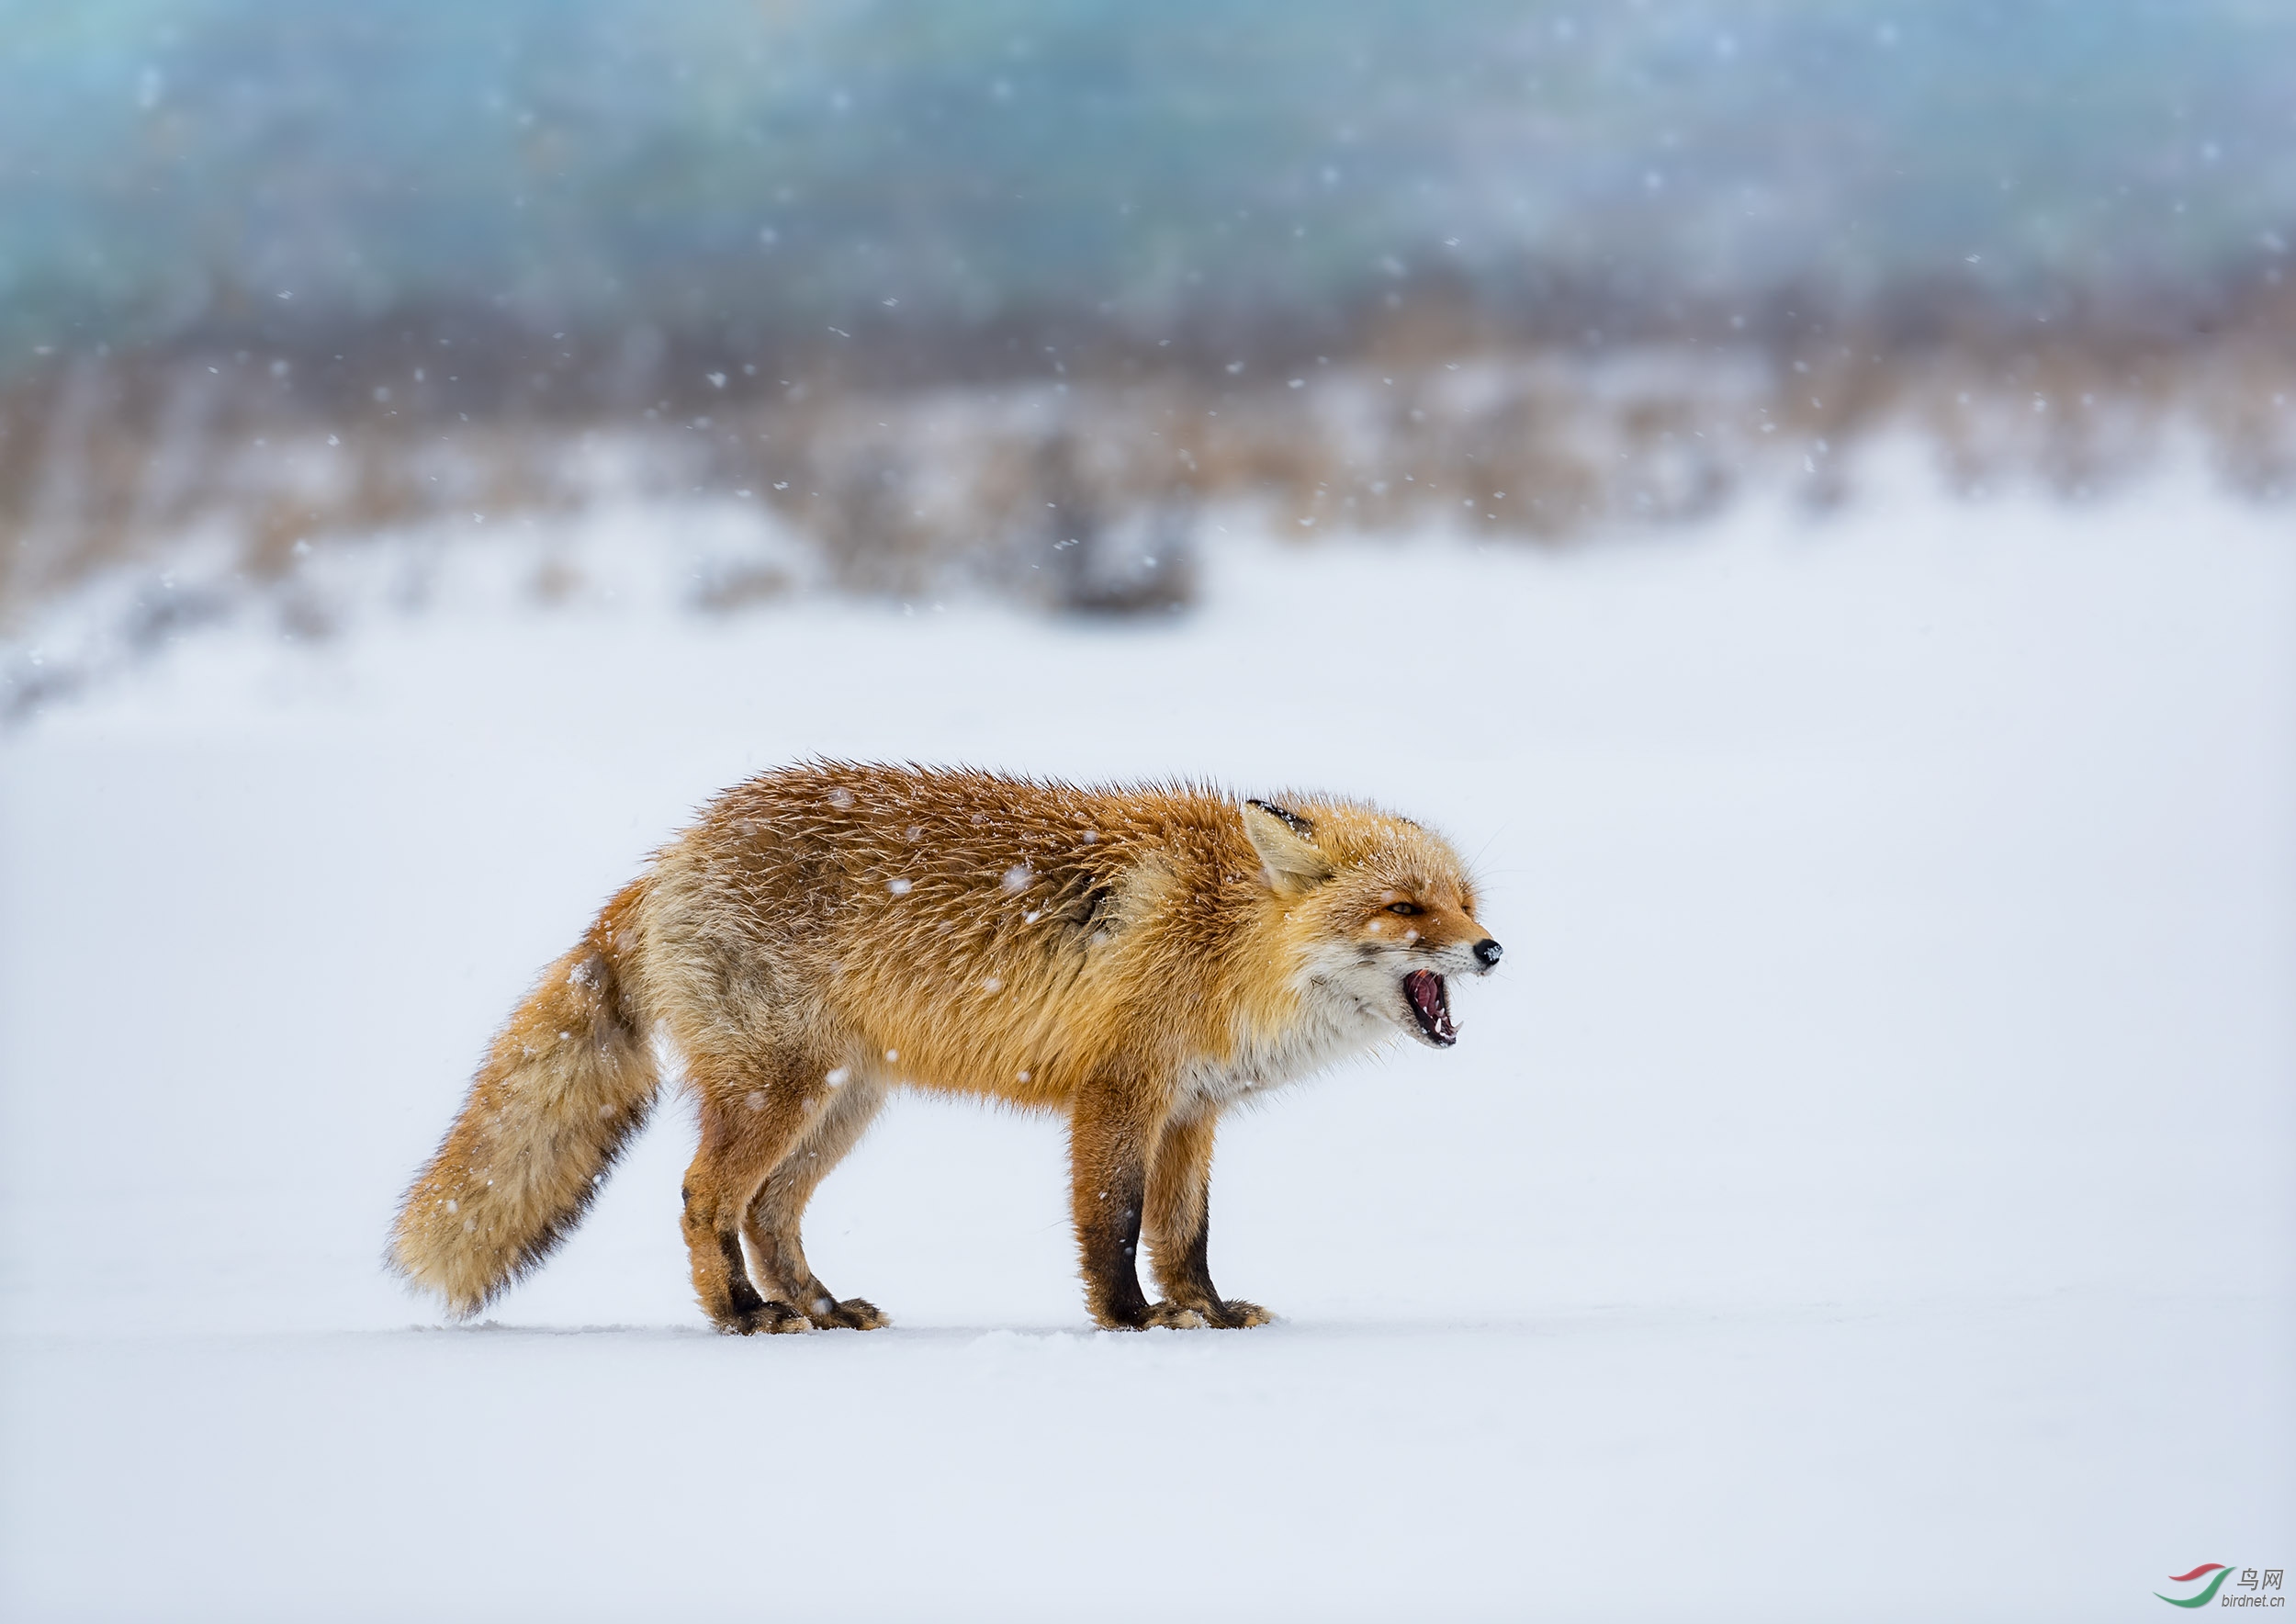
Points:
(1179, 1224)
(1108, 1160)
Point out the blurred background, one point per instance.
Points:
(906, 300)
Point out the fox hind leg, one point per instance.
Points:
(750, 1117)
(1178, 1222)
(777, 1212)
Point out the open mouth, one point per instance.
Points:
(1431, 1006)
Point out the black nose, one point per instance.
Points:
(1487, 952)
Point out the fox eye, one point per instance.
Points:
(1402, 908)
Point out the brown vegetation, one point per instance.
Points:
(1057, 474)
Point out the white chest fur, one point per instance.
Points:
(1331, 1028)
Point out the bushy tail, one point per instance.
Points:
(565, 1086)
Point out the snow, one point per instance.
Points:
(1864, 1188)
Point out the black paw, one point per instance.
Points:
(766, 1319)
(1151, 1314)
(855, 1314)
(1234, 1314)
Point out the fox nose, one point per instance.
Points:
(1487, 952)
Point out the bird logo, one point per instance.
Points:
(2207, 1594)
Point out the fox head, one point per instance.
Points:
(1380, 910)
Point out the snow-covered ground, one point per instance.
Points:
(1869, 1189)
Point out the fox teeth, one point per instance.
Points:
(1431, 1004)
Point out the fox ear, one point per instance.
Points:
(1286, 842)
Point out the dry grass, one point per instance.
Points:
(1077, 493)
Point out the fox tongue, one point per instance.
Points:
(1424, 988)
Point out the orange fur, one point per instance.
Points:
(1137, 959)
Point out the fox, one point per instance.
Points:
(1140, 959)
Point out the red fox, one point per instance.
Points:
(1137, 958)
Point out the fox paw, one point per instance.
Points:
(1174, 1315)
(766, 1319)
(1235, 1314)
(1230, 1313)
(1158, 1314)
(855, 1314)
